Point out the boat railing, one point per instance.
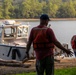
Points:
(22, 32)
(14, 32)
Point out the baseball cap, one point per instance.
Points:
(44, 17)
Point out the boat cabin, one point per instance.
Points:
(13, 33)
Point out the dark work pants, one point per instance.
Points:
(45, 65)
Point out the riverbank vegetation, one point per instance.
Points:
(34, 8)
(68, 71)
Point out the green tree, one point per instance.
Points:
(26, 7)
(7, 8)
(51, 9)
(18, 11)
(1, 14)
(74, 3)
(35, 8)
(44, 8)
(31, 8)
(66, 10)
(57, 2)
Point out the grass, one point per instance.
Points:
(68, 71)
(31, 73)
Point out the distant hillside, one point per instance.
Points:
(34, 8)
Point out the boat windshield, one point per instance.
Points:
(22, 31)
(15, 31)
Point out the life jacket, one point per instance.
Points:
(41, 39)
(73, 42)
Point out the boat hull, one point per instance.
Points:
(8, 52)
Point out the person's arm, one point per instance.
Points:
(28, 48)
(27, 51)
(52, 38)
(30, 40)
(58, 44)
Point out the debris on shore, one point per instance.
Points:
(64, 63)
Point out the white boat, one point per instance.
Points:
(13, 40)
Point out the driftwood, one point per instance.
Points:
(26, 59)
(13, 63)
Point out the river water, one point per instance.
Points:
(64, 30)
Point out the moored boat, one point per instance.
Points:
(13, 40)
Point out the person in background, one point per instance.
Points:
(73, 44)
(43, 39)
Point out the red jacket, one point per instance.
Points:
(73, 42)
(41, 39)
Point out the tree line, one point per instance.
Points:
(34, 8)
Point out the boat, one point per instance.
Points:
(13, 40)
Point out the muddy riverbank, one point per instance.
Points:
(64, 63)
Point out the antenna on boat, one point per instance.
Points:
(49, 25)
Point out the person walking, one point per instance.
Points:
(43, 39)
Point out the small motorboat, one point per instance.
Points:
(13, 40)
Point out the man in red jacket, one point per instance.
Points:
(43, 39)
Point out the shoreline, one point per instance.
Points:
(9, 70)
(52, 19)
(63, 19)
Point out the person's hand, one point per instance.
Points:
(27, 55)
(69, 52)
